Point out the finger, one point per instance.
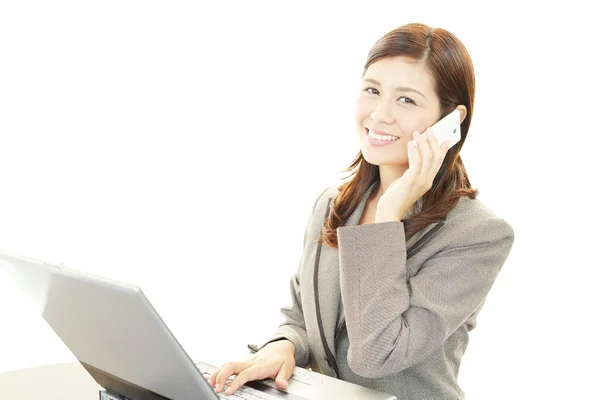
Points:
(213, 376)
(425, 149)
(445, 147)
(231, 368)
(249, 374)
(430, 135)
(425, 155)
(436, 151)
(414, 158)
(438, 155)
(283, 376)
(430, 153)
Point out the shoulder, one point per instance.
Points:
(472, 221)
(472, 235)
(322, 200)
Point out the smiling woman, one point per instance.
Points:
(413, 77)
(398, 261)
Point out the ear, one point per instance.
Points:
(463, 112)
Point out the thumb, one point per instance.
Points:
(286, 370)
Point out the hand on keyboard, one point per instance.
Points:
(275, 360)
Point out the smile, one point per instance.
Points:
(379, 140)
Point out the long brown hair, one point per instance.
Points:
(447, 60)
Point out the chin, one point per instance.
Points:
(378, 159)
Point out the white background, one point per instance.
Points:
(181, 146)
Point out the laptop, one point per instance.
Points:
(119, 338)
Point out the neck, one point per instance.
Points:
(387, 175)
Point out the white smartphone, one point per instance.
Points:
(447, 128)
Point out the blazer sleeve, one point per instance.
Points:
(393, 322)
(293, 328)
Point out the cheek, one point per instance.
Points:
(362, 110)
(409, 125)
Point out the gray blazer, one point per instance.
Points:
(388, 313)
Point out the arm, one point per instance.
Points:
(393, 322)
(293, 328)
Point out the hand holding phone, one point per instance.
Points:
(418, 178)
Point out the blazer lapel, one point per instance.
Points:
(329, 279)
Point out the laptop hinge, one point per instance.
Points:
(119, 388)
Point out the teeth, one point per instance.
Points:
(380, 137)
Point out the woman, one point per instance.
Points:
(397, 262)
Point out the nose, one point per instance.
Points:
(383, 113)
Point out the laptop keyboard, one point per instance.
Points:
(243, 393)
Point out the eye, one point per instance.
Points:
(372, 90)
(404, 99)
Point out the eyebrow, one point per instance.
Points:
(401, 88)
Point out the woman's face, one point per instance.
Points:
(397, 97)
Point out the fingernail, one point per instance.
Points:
(414, 143)
(217, 387)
